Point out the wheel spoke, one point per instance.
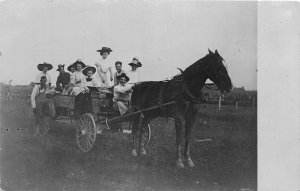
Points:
(89, 144)
(90, 138)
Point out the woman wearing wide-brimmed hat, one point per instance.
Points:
(79, 88)
(71, 68)
(103, 66)
(133, 73)
(77, 78)
(43, 67)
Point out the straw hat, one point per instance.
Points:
(93, 69)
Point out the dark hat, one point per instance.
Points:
(93, 69)
(60, 66)
(123, 75)
(136, 62)
(78, 61)
(69, 67)
(42, 65)
(105, 49)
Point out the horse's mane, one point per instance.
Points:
(194, 67)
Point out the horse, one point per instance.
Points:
(184, 90)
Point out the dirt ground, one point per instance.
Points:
(54, 162)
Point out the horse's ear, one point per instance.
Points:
(210, 52)
(216, 52)
(180, 70)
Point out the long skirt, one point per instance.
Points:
(83, 103)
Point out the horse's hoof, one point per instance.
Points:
(143, 152)
(179, 164)
(134, 153)
(190, 163)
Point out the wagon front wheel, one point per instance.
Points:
(86, 132)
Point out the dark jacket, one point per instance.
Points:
(62, 80)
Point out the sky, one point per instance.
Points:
(164, 35)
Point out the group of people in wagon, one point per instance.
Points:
(82, 77)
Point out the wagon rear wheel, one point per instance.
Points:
(86, 132)
(45, 123)
(146, 135)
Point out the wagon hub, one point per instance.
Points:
(83, 132)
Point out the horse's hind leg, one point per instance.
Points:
(178, 127)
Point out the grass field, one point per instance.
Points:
(54, 162)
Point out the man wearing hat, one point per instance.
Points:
(133, 74)
(90, 81)
(122, 94)
(44, 67)
(63, 80)
(38, 101)
(103, 66)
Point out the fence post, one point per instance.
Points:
(220, 99)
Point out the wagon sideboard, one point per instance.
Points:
(100, 101)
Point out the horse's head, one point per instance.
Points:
(217, 72)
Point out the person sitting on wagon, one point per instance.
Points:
(133, 74)
(38, 99)
(63, 80)
(118, 72)
(122, 94)
(90, 81)
(79, 88)
(44, 67)
(71, 68)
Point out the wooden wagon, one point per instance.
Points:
(102, 119)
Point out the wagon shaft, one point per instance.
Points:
(120, 118)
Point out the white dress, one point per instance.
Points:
(77, 80)
(103, 68)
(134, 76)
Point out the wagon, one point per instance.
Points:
(102, 119)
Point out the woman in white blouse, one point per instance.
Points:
(77, 78)
(103, 66)
(133, 73)
(79, 88)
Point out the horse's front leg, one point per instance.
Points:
(134, 138)
(190, 121)
(141, 135)
(178, 128)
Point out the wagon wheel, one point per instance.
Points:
(45, 123)
(146, 136)
(86, 132)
